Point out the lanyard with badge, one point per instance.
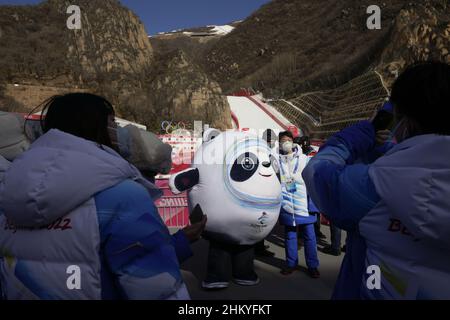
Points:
(289, 180)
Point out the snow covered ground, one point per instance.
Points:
(212, 31)
(273, 111)
(222, 30)
(252, 116)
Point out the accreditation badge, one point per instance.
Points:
(291, 187)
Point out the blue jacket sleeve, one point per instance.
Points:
(377, 152)
(340, 189)
(182, 246)
(136, 245)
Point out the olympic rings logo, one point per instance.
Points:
(170, 126)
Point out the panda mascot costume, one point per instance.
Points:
(234, 181)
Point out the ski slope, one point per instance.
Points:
(253, 116)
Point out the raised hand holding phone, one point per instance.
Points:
(384, 119)
(198, 222)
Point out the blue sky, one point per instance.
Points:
(167, 15)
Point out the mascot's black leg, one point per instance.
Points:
(218, 266)
(243, 265)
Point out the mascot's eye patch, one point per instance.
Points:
(244, 167)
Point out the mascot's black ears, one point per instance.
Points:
(184, 180)
(210, 134)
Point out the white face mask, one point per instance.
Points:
(287, 146)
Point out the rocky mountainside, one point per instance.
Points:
(321, 58)
(110, 55)
(112, 42)
(38, 47)
(177, 81)
(421, 32)
(177, 90)
(290, 47)
(285, 49)
(192, 41)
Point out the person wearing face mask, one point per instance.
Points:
(294, 209)
(72, 200)
(396, 209)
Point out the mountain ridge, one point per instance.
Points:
(110, 55)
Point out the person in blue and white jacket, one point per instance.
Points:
(294, 208)
(78, 221)
(396, 209)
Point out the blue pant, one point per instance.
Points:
(309, 242)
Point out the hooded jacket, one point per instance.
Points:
(396, 211)
(79, 222)
(408, 232)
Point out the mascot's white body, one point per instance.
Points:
(234, 181)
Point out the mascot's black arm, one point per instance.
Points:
(184, 180)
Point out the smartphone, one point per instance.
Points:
(196, 215)
(384, 120)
